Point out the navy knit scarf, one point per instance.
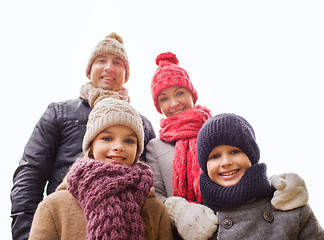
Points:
(253, 184)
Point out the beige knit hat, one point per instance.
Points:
(109, 112)
(113, 44)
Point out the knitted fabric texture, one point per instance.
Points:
(253, 184)
(183, 128)
(111, 197)
(226, 129)
(169, 74)
(112, 44)
(94, 95)
(109, 112)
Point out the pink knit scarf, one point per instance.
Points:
(111, 197)
(183, 128)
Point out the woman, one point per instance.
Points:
(173, 156)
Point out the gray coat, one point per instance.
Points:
(159, 155)
(258, 220)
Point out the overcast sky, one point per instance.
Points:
(262, 60)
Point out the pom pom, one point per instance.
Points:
(116, 36)
(167, 57)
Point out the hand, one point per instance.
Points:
(291, 191)
(193, 221)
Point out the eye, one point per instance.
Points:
(107, 139)
(233, 152)
(215, 156)
(163, 99)
(117, 62)
(130, 141)
(179, 93)
(100, 60)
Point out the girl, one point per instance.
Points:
(173, 156)
(107, 194)
(235, 185)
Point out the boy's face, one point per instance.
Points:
(116, 145)
(108, 72)
(226, 165)
(175, 100)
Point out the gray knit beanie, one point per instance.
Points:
(113, 44)
(226, 129)
(109, 112)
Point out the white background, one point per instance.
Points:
(262, 60)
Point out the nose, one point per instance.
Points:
(118, 146)
(109, 66)
(173, 102)
(226, 161)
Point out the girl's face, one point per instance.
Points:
(226, 165)
(108, 72)
(116, 145)
(175, 100)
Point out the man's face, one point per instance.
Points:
(108, 72)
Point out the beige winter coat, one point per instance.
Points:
(59, 216)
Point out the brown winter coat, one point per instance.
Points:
(59, 216)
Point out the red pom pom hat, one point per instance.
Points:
(169, 74)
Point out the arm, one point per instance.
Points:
(309, 226)
(165, 226)
(43, 226)
(33, 172)
(153, 161)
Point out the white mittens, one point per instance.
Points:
(193, 221)
(291, 191)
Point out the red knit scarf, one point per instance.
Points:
(111, 197)
(183, 128)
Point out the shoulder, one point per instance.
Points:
(158, 149)
(59, 200)
(63, 207)
(58, 216)
(158, 143)
(69, 109)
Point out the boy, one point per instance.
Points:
(235, 186)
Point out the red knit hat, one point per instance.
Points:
(169, 74)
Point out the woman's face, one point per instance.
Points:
(175, 100)
(116, 145)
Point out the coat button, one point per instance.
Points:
(268, 216)
(227, 223)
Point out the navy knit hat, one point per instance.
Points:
(226, 129)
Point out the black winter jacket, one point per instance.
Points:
(53, 146)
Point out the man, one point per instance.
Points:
(57, 138)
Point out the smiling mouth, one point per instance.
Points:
(226, 174)
(108, 78)
(117, 158)
(178, 111)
